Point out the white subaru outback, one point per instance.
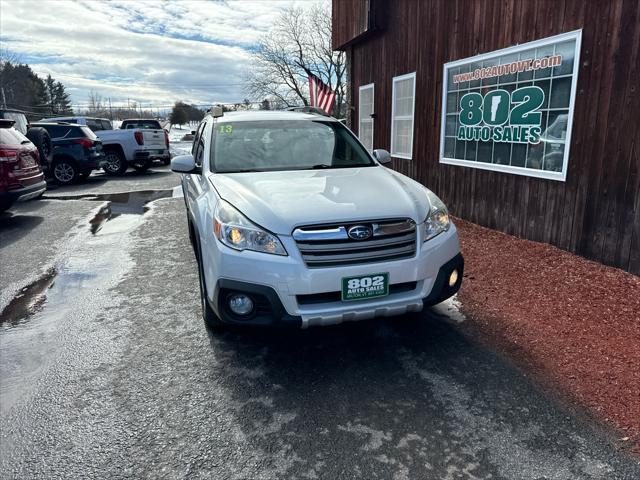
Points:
(294, 222)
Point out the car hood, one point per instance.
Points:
(281, 201)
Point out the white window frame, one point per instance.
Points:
(404, 117)
(373, 106)
(528, 172)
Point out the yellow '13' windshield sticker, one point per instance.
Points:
(225, 128)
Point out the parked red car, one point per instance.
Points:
(21, 177)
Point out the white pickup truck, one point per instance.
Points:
(137, 143)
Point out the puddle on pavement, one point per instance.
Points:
(123, 210)
(37, 322)
(46, 312)
(28, 300)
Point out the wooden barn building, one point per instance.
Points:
(522, 115)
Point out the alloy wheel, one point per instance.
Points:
(63, 172)
(112, 163)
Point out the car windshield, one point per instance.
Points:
(20, 119)
(94, 124)
(285, 145)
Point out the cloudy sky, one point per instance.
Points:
(153, 52)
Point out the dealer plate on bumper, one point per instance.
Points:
(363, 287)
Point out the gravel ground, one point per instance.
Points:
(574, 321)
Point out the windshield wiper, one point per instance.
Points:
(241, 170)
(322, 166)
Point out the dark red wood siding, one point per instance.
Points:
(350, 19)
(596, 212)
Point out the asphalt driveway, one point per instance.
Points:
(112, 374)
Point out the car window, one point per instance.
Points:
(106, 125)
(144, 124)
(10, 136)
(86, 132)
(20, 119)
(196, 139)
(198, 146)
(94, 124)
(199, 153)
(57, 131)
(285, 145)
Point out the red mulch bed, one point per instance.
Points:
(574, 322)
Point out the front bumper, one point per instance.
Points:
(289, 293)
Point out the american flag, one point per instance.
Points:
(320, 94)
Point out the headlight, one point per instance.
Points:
(235, 231)
(437, 220)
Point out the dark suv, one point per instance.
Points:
(76, 151)
(21, 177)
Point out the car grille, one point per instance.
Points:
(330, 297)
(331, 246)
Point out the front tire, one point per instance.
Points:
(209, 316)
(115, 163)
(64, 172)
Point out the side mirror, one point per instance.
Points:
(193, 132)
(382, 156)
(184, 164)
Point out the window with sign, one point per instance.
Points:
(365, 113)
(512, 110)
(402, 110)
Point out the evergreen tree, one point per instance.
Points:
(50, 85)
(25, 91)
(62, 100)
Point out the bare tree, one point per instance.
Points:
(7, 55)
(95, 103)
(299, 41)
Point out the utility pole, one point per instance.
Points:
(110, 110)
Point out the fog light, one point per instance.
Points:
(453, 278)
(240, 304)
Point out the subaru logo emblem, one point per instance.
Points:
(359, 232)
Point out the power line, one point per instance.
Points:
(138, 105)
(129, 80)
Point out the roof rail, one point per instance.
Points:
(309, 109)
